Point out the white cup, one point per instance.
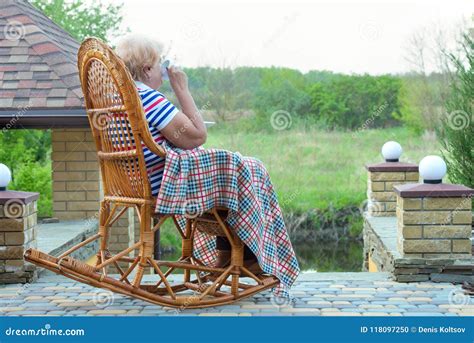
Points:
(164, 69)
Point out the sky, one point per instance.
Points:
(340, 36)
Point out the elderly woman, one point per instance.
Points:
(142, 56)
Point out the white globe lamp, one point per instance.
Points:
(5, 177)
(432, 169)
(391, 151)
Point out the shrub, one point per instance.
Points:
(352, 102)
(457, 131)
(34, 177)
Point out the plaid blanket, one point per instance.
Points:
(194, 181)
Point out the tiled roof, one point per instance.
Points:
(38, 61)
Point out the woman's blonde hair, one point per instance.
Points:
(138, 51)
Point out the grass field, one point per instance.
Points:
(315, 169)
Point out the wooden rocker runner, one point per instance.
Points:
(119, 128)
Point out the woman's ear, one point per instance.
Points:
(146, 71)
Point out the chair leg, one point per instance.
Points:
(104, 213)
(237, 261)
(237, 254)
(157, 247)
(147, 243)
(187, 247)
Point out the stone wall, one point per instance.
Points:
(430, 238)
(434, 227)
(18, 226)
(382, 178)
(381, 250)
(376, 254)
(75, 174)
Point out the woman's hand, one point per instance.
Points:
(178, 80)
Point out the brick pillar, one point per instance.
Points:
(18, 225)
(434, 220)
(75, 174)
(76, 183)
(381, 179)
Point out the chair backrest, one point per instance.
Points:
(117, 121)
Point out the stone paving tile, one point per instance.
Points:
(56, 313)
(341, 314)
(107, 312)
(387, 310)
(153, 313)
(422, 314)
(368, 296)
(427, 306)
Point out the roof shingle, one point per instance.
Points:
(38, 61)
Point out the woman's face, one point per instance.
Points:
(153, 75)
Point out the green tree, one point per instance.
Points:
(353, 101)
(27, 154)
(35, 177)
(422, 101)
(282, 89)
(457, 131)
(224, 96)
(83, 18)
(325, 105)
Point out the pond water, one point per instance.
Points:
(330, 256)
(322, 256)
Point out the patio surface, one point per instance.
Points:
(56, 238)
(53, 237)
(315, 294)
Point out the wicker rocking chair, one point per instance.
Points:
(114, 110)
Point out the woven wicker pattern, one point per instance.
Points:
(207, 223)
(114, 111)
